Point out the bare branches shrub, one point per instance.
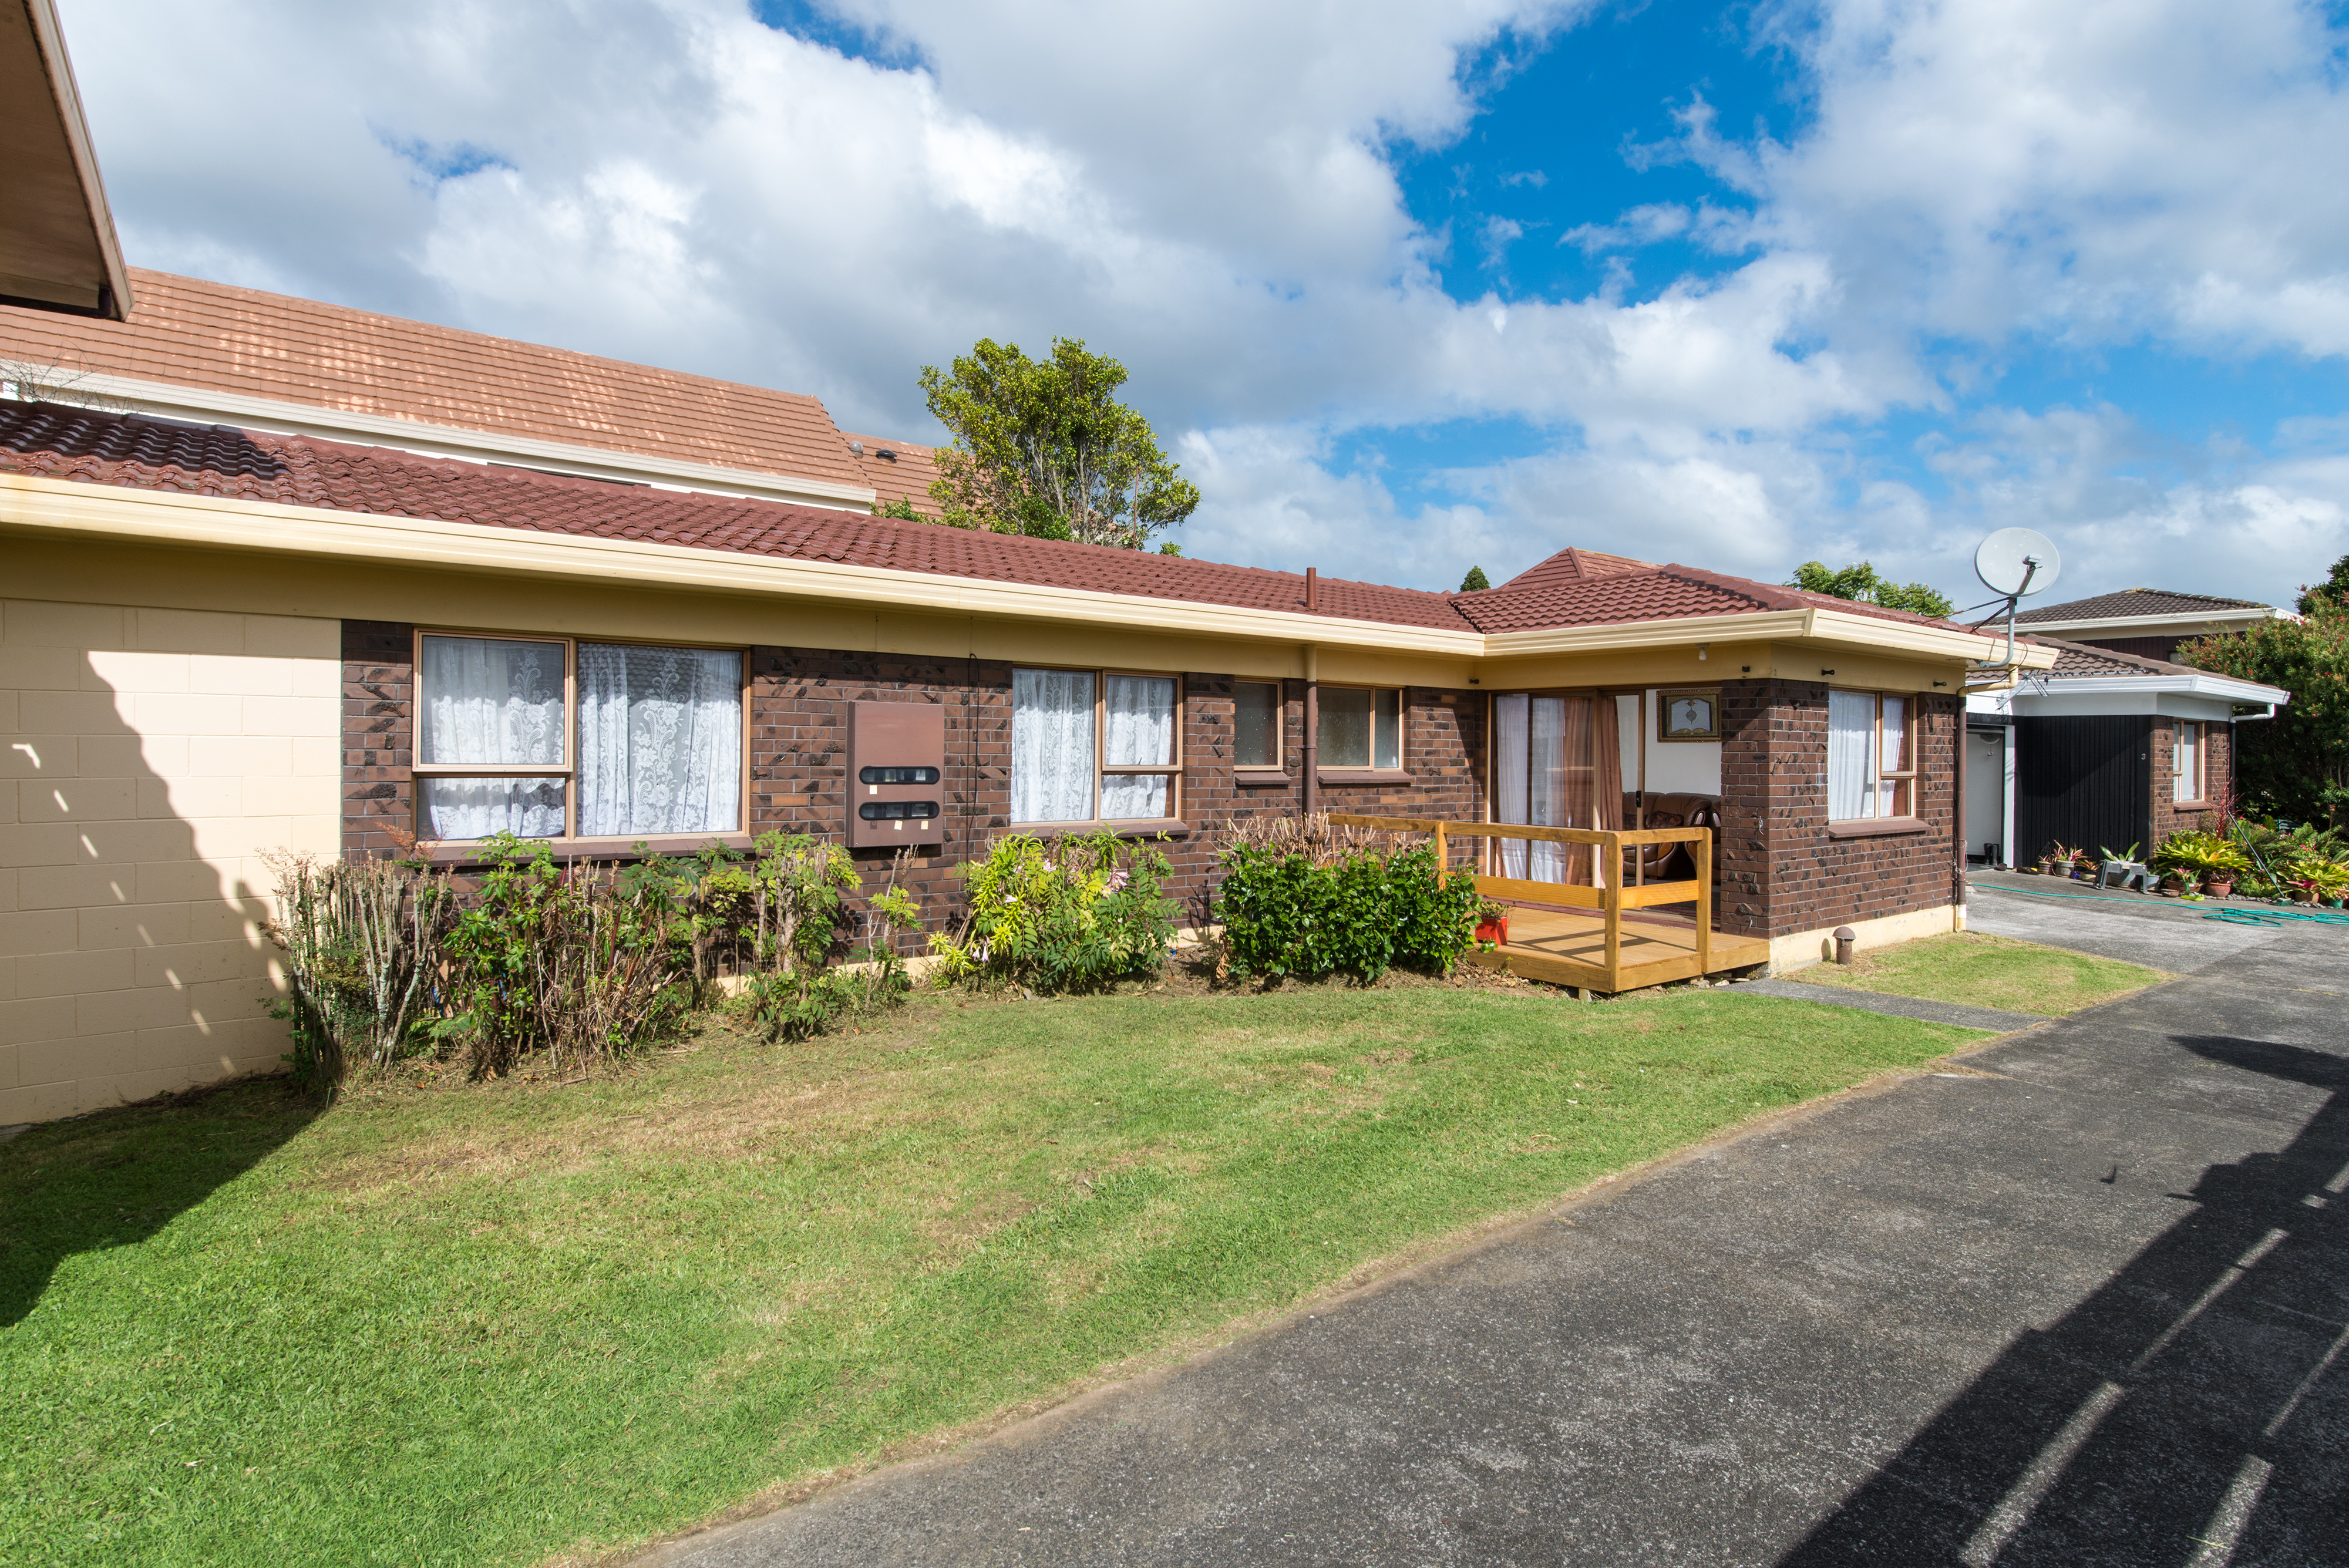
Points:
(1321, 842)
(362, 942)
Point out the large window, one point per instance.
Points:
(2186, 762)
(1062, 720)
(1257, 712)
(548, 738)
(1871, 756)
(1360, 727)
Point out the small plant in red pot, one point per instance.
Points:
(1492, 923)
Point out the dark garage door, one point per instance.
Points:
(2087, 781)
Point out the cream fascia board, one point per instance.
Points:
(1823, 628)
(167, 518)
(203, 405)
(173, 518)
(2150, 623)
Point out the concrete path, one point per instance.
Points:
(2079, 1298)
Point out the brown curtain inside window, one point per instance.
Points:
(1580, 783)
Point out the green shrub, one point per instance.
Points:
(1284, 915)
(1072, 915)
(792, 991)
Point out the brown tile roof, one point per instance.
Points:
(2078, 660)
(137, 452)
(1573, 565)
(190, 333)
(1636, 591)
(2135, 601)
(57, 443)
(896, 469)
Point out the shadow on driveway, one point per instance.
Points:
(2192, 1410)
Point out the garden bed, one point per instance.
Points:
(473, 1322)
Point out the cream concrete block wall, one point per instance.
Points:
(152, 756)
(1800, 949)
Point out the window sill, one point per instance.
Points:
(1171, 828)
(1262, 778)
(1875, 827)
(1364, 777)
(2193, 805)
(468, 852)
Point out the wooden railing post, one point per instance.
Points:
(1704, 905)
(1612, 902)
(1439, 854)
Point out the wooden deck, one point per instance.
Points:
(1627, 940)
(1564, 949)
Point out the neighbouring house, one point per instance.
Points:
(2147, 622)
(2104, 749)
(57, 247)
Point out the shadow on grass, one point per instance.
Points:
(115, 1177)
(2195, 1409)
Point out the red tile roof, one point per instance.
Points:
(1575, 565)
(897, 469)
(2078, 660)
(187, 332)
(137, 452)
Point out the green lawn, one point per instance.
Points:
(475, 1325)
(1983, 970)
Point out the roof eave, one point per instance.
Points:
(163, 517)
(2198, 684)
(2147, 622)
(93, 280)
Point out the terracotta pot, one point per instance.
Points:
(1495, 929)
(2218, 887)
(2172, 886)
(2304, 894)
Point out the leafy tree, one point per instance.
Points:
(1859, 583)
(1044, 448)
(2335, 586)
(1475, 582)
(902, 509)
(2295, 764)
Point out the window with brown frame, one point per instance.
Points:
(1062, 720)
(1359, 727)
(2186, 764)
(1258, 710)
(1871, 755)
(552, 737)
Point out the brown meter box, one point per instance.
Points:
(896, 773)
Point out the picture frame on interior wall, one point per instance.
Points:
(1688, 714)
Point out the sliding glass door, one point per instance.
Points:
(1553, 766)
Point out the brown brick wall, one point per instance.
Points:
(2143, 646)
(2217, 770)
(378, 733)
(1780, 869)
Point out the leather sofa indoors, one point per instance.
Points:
(1672, 862)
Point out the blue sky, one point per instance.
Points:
(1405, 287)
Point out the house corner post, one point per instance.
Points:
(1312, 729)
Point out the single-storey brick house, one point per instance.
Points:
(222, 631)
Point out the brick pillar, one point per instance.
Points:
(379, 734)
(1774, 748)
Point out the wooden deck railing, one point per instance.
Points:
(1611, 899)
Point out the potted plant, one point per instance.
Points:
(2206, 858)
(1492, 923)
(2084, 866)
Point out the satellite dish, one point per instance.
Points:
(2017, 563)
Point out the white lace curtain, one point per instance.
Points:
(660, 741)
(660, 746)
(1051, 745)
(491, 702)
(1546, 760)
(1851, 772)
(1139, 731)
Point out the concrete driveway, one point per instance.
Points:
(2079, 1300)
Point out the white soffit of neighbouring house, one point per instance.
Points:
(57, 248)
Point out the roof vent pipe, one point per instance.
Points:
(1312, 588)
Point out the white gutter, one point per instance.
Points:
(203, 405)
(2150, 622)
(2199, 684)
